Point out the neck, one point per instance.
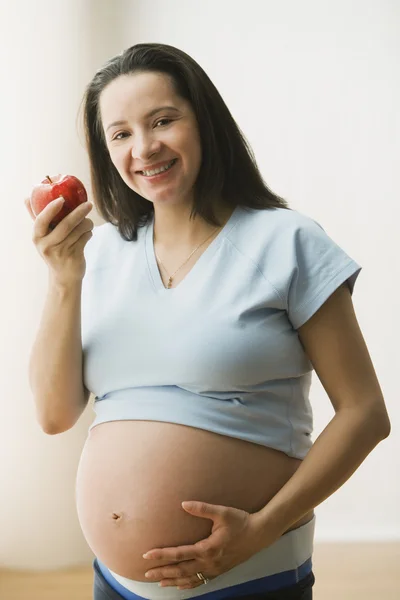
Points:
(173, 229)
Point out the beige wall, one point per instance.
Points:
(315, 87)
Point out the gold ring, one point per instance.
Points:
(202, 578)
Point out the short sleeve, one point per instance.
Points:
(320, 266)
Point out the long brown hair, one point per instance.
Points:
(228, 170)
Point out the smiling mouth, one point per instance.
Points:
(164, 170)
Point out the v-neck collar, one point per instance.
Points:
(199, 265)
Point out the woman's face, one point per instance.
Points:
(137, 140)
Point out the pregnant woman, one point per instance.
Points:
(195, 315)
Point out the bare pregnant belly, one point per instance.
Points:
(133, 476)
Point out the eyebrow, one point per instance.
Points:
(149, 114)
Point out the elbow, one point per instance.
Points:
(55, 423)
(381, 424)
(51, 428)
(373, 421)
(386, 427)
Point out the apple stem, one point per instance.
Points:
(49, 179)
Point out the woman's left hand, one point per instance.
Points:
(235, 537)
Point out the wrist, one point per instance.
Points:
(64, 287)
(267, 528)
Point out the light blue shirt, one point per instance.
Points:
(220, 351)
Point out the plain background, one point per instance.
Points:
(315, 87)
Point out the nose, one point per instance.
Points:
(144, 146)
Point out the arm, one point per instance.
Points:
(55, 367)
(335, 345)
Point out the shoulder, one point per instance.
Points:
(272, 229)
(292, 250)
(276, 219)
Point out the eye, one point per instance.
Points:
(116, 136)
(165, 120)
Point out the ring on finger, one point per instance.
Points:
(200, 575)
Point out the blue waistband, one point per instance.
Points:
(256, 586)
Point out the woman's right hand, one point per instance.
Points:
(63, 247)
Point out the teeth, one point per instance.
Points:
(160, 170)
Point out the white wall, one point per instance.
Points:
(49, 52)
(315, 87)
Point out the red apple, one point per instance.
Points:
(69, 187)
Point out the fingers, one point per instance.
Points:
(27, 203)
(44, 218)
(65, 226)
